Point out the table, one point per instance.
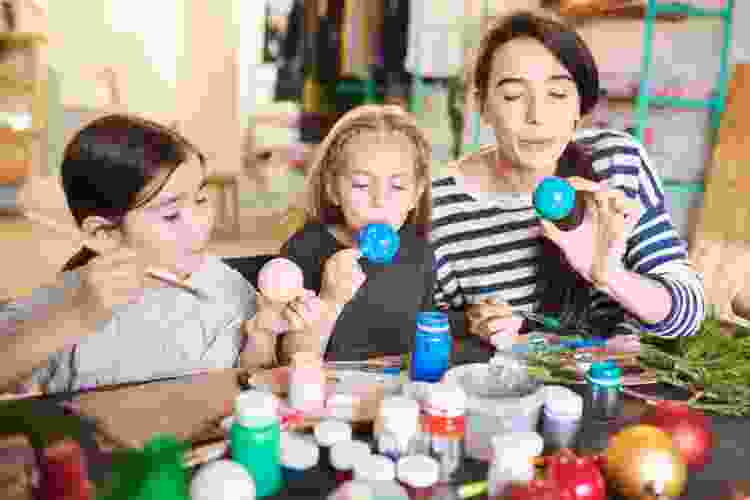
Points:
(731, 448)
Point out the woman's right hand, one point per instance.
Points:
(493, 320)
(342, 276)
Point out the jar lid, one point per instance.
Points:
(256, 404)
(526, 444)
(446, 399)
(562, 401)
(298, 453)
(375, 468)
(399, 411)
(605, 373)
(330, 432)
(433, 320)
(345, 454)
(418, 471)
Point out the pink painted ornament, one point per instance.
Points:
(281, 280)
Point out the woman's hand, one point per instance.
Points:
(597, 246)
(493, 320)
(342, 276)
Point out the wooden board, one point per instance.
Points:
(720, 243)
(188, 408)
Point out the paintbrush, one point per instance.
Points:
(159, 274)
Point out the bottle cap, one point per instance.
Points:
(375, 468)
(561, 401)
(256, 405)
(446, 399)
(521, 444)
(298, 453)
(345, 454)
(418, 471)
(379, 242)
(330, 432)
(433, 321)
(554, 198)
(398, 412)
(605, 373)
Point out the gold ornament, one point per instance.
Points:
(642, 464)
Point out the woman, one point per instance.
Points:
(624, 270)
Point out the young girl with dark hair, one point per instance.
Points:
(138, 191)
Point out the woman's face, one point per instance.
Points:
(173, 229)
(378, 182)
(532, 104)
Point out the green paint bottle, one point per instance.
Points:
(256, 440)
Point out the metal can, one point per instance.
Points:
(432, 347)
(444, 427)
(604, 399)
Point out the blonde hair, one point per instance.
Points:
(330, 157)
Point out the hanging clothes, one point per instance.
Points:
(395, 40)
(435, 38)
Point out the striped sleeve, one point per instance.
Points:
(654, 248)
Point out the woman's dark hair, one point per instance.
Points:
(115, 164)
(563, 41)
(564, 292)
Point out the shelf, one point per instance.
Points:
(689, 10)
(632, 11)
(15, 38)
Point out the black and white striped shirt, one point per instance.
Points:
(489, 246)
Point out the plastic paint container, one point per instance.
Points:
(344, 455)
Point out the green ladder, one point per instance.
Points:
(716, 104)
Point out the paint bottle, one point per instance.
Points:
(65, 476)
(375, 468)
(418, 474)
(307, 382)
(513, 460)
(256, 440)
(444, 427)
(561, 417)
(345, 455)
(397, 427)
(329, 432)
(432, 347)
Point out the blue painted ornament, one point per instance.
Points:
(379, 242)
(554, 198)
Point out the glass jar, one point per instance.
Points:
(561, 417)
(444, 427)
(604, 400)
(513, 460)
(432, 347)
(418, 474)
(397, 427)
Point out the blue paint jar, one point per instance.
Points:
(604, 399)
(432, 347)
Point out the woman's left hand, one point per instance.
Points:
(597, 246)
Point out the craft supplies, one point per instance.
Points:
(379, 242)
(556, 200)
(513, 460)
(444, 426)
(374, 468)
(432, 347)
(604, 398)
(329, 432)
(397, 427)
(256, 440)
(344, 455)
(369, 490)
(280, 280)
(418, 474)
(561, 417)
(307, 383)
(298, 455)
(222, 480)
(501, 397)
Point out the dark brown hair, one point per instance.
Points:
(115, 164)
(564, 292)
(563, 41)
(330, 158)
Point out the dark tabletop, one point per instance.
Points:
(732, 444)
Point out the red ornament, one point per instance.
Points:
(580, 476)
(690, 429)
(536, 490)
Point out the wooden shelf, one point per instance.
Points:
(19, 39)
(630, 11)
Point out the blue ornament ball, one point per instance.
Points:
(554, 198)
(379, 242)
